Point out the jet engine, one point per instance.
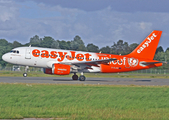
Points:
(58, 69)
(47, 70)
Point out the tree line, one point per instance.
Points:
(119, 48)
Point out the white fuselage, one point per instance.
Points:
(43, 57)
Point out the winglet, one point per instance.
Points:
(148, 47)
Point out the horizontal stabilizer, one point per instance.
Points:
(150, 63)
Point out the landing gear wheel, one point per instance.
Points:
(25, 74)
(74, 77)
(82, 78)
(26, 69)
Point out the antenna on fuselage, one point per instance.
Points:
(29, 45)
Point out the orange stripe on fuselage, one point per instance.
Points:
(124, 64)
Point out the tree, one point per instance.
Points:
(159, 49)
(35, 41)
(163, 56)
(133, 46)
(64, 45)
(167, 55)
(126, 48)
(77, 44)
(167, 49)
(106, 49)
(69, 44)
(47, 42)
(3, 42)
(160, 56)
(120, 48)
(92, 48)
(55, 45)
(16, 44)
(3, 50)
(81, 47)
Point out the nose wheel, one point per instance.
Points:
(25, 75)
(26, 69)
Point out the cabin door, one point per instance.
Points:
(28, 54)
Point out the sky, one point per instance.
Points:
(101, 22)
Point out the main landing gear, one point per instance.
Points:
(81, 78)
(26, 69)
(74, 77)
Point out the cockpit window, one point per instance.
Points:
(15, 51)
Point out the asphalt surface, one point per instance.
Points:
(100, 81)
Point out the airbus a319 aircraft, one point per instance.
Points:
(64, 62)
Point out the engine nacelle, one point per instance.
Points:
(58, 69)
(61, 69)
(47, 70)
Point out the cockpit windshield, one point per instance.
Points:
(14, 51)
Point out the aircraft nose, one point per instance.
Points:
(4, 57)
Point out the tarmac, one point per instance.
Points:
(96, 81)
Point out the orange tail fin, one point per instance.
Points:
(148, 47)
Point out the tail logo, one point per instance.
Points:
(146, 43)
(132, 62)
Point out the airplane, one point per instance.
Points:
(64, 62)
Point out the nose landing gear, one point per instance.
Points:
(24, 74)
(26, 69)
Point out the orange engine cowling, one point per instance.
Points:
(61, 69)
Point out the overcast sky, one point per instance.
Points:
(100, 22)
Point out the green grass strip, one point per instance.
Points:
(83, 101)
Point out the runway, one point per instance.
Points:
(98, 81)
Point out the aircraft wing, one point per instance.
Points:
(96, 62)
(92, 63)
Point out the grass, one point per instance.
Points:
(83, 101)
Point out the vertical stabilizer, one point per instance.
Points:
(148, 47)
